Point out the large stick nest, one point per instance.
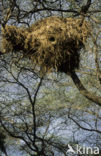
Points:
(52, 43)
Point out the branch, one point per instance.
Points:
(83, 90)
(86, 129)
(33, 109)
(86, 7)
(14, 135)
(47, 9)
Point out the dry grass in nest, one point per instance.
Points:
(13, 39)
(52, 43)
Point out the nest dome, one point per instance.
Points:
(52, 43)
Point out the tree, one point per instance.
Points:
(22, 13)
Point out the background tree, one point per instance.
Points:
(38, 110)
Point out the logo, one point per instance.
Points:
(70, 149)
(83, 150)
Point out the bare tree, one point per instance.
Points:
(21, 84)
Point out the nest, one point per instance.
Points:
(13, 39)
(52, 43)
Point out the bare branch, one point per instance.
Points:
(83, 90)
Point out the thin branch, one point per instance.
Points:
(15, 136)
(86, 129)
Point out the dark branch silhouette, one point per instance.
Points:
(85, 8)
(83, 90)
